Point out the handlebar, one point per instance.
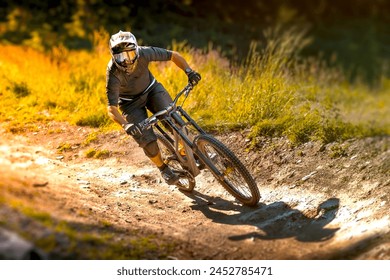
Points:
(153, 119)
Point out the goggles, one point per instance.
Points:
(126, 57)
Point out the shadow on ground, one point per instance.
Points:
(276, 220)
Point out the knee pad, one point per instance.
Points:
(145, 139)
(151, 149)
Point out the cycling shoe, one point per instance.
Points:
(170, 177)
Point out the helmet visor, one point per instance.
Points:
(126, 57)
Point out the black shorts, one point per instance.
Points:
(135, 111)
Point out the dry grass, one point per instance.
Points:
(273, 93)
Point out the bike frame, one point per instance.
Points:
(180, 132)
(179, 120)
(200, 149)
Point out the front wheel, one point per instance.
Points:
(228, 169)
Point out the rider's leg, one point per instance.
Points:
(153, 152)
(158, 99)
(135, 112)
(158, 160)
(148, 142)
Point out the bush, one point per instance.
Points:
(100, 154)
(20, 89)
(98, 119)
(274, 93)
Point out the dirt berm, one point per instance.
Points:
(318, 201)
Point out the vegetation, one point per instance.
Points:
(274, 92)
(351, 33)
(329, 82)
(324, 79)
(93, 153)
(72, 240)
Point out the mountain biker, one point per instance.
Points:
(131, 86)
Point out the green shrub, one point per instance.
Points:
(101, 154)
(20, 89)
(273, 93)
(64, 147)
(91, 137)
(97, 119)
(95, 153)
(90, 153)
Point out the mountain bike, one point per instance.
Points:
(187, 149)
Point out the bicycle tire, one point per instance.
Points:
(234, 176)
(187, 181)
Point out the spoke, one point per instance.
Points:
(231, 175)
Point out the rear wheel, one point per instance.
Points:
(228, 170)
(187, 181)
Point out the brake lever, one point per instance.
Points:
(145, 124)
(189, 87)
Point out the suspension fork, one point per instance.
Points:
(178, 119)
(194, 147)
(190, 120)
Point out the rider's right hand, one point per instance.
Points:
(132, 129)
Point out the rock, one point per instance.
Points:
(14, 247)
(291, 174)
(307, 177)
(40, 184)
(83, 182)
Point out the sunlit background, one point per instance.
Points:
(303, 69)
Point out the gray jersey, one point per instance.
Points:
(122, 85)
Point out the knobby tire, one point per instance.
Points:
(234, 176)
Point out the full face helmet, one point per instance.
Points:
(124, 50)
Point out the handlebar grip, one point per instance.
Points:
(145, 124)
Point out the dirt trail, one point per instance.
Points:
(318, 202)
